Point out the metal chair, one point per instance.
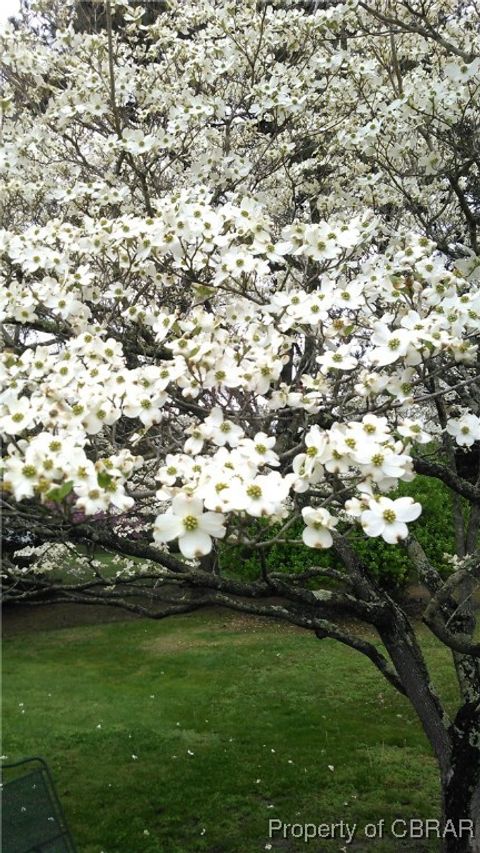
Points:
(32, 817)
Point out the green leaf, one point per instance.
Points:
(60, 492)
(104, 479)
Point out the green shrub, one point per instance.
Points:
(389, 564)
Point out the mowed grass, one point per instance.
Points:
(191, 733)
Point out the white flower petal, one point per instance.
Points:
(195, 543)
(185, 505)
(167, 527)
(309, 514)
(213, 524)
(406, 509)
(372, 523)
(317, 538)
(394, 532)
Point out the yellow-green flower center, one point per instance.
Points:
(190, 523)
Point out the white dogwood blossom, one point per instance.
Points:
(319, 523)
(465, 430)
(228, 279)
(387, 518)
(188, 523)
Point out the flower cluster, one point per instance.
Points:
(231, 289)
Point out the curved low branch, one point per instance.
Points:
(441, 604)
(372, 611)
(322, 627)
(314, 572)
(427, 573)
(370, 651)
(457, 642)
(453, 582)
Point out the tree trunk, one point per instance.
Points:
(407, 658)
(461, 784)
(456, 746)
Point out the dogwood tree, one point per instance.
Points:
(241, 287)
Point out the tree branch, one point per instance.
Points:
(450, 478)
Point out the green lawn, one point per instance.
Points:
(189, 734)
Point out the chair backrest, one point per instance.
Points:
(32, 817)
